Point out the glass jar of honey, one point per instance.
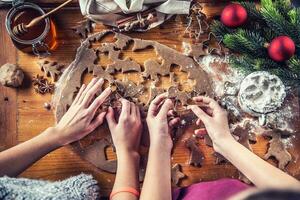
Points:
(39, 39)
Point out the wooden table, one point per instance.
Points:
(22, 115)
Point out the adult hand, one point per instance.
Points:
(82, 118)
(214, 119)
(126, 132)
(157, 119)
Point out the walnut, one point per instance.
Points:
(11, 75)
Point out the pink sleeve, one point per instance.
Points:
(217, 190)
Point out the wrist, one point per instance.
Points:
(161, 141)
(164, 147)
(50, 135)
(124, 153)
(57, 136)
(223, 145)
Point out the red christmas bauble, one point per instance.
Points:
(281, 48)
(234, 15)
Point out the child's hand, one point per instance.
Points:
(81, 118)
(126, 133)
(158, 124)
(214, 119)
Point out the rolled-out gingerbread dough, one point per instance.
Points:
(86, 60)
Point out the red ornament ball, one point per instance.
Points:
(234, 15)
(281, 48)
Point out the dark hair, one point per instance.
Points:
(273, 194)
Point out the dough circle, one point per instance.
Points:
(261, 93)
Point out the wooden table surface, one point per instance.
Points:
(22, 115)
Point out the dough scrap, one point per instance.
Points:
(101, 73)
(154, 91)
(277, 149)
(109, 48)
(129, 89)
(83, 28)
(187, 118)
(140, 44)
(194, 50)
(96, 154)
(175, 93)
(122, 40)
(125, 65)
(11, 75)
(153, 69)
(196, 155)
(114, 51)
(176, 174)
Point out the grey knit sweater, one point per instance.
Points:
(78, 187)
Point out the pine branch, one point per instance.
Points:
(241, 64)
(252, 11)
(276, 17)
(219, 29)
(294, 18)
(248, 64)
(243, 41)
(289, 78)
(276, 21)
(251, 63)
(283, 6)
(269, 34)
(294, 65)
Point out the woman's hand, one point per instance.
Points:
(157, 119)
(214, 119)
(82, 118)
(126, 133)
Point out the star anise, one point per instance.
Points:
(42, 85)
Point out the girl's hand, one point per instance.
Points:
(157, 119)
(82, 118)
(126, 133)
(214, 119)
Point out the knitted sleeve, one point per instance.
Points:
(78, 187)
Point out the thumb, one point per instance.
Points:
(110, 117)
(200, 113)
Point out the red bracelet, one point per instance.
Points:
(125, 189)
